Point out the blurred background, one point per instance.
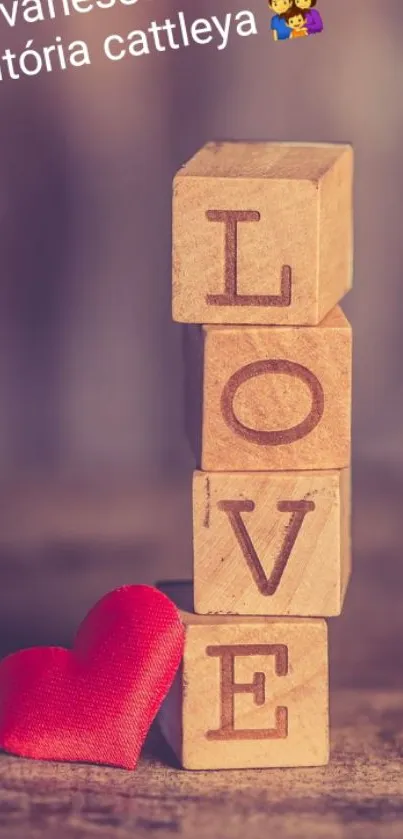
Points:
(93, 461)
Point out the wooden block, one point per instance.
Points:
(252, 692)
(262, 233)
(271, 543)
(275, 398)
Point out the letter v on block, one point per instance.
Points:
(298, 509)
(271, 543)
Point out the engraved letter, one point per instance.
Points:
(231, 297)
(284, 436)
(229, 688)
(298, 509)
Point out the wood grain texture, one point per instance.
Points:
(252, 692)
(358, 796)
(275, 398)
(271, 544)
(69, 546)
(262, 233)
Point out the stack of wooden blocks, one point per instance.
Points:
(262, 255)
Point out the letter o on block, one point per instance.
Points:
(277, 398)
(283, 436)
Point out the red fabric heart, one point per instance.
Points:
(94, 703)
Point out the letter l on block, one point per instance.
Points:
(231, 218)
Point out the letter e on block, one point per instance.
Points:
(277, 398)
(252, 692)
(262, 233)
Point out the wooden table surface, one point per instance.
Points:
(61, 549)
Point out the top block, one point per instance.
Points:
(262, 233)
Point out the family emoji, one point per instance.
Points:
(294, 19)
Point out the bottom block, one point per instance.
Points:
(251, 692)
